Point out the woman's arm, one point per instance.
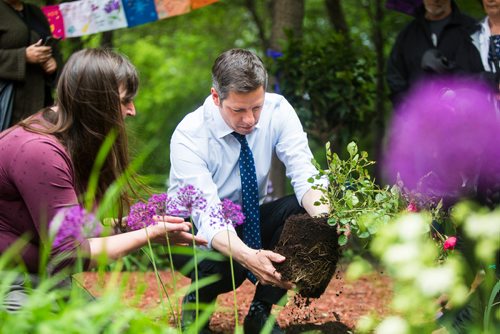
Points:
(116, 246)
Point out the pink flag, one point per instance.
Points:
(169, 8)
(55, 19)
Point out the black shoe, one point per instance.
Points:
(188, 318)
(257, 317)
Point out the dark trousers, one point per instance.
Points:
(272, 219)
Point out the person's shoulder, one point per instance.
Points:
(23, 138)
(197, 121)
(31, 146)
(274, 99)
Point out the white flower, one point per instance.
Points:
(392, 325)
(483, 225)
(401, 254)
(433, 281)
(412, 226)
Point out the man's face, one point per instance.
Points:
(241, 111)
(437, 9)
(492, 7)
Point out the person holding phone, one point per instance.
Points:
(25, 60)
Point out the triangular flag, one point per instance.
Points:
(56, 21)
(195, 4)
(169, 8)
(140, 11)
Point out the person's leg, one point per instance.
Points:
(19, 290)
(272, 217)
(206, 294)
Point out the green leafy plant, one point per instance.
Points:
(358, 206)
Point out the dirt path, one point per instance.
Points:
(336, 311)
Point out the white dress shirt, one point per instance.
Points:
(484, 44)
(203, 153)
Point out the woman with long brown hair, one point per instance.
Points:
(47, 159)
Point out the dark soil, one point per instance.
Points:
(336, 312)
(311, 249)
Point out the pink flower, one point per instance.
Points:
(412, 207)
(450, 243)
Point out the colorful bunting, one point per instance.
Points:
(195, 4)
(169, 8)
(107, 16)
(56, 22)
(84, 17)
(140, 11)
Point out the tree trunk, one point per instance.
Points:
(378, 41)
(336, 15)
(287, 15)
(107, 39)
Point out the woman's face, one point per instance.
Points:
(126, 103)
(491, 7)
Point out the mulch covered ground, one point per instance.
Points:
(336, 311)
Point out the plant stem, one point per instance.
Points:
(174, 280)
(197, 307)
(158, 279)
(234, 285)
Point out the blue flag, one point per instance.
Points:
(139, 11)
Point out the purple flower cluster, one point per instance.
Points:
(140, 215)
(189, 199)
(71, 226)
(444, 139)
(227, 213)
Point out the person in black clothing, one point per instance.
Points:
(436, 41)
(24, 60)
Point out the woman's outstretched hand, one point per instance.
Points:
(177, 230)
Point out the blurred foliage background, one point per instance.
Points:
(332, 68)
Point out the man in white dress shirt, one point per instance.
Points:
(205, 154)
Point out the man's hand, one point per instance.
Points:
(37, 53)
(260, 263)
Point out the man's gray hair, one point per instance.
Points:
(238, 70)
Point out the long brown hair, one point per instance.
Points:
(88, 109)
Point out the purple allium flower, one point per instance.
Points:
(189, 199)
(443, 140)
(227, 213)
(141, 215)
(162, 204)
(70, 226)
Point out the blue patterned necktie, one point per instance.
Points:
(494, 51)
(250, 198)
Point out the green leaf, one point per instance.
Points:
(342, 239)
(364, 235)
(352, 148)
